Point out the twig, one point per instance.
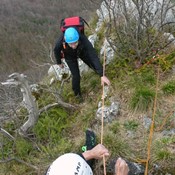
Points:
(18, 160)
(59, 103)
(7, 134)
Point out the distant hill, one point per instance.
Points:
(29, 26)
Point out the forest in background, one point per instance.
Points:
(29, 27)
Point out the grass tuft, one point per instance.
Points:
(169, 88)
(131, 125)
(142, 99)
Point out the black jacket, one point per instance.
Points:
(84, 50)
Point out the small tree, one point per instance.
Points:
(137, 28)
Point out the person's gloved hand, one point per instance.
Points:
(105, 80)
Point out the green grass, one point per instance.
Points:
(23, 148)
(163, 155)
(49, 128)
(163, 150)
(145, 76)
(115, 127)
(169, 88)
(131, 125)
(116, 144)
(142, 99)
(59, 130)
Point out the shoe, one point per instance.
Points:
(90, 140)
(89, 144)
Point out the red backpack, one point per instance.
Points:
(75, 21)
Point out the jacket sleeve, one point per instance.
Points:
(58, 48)
(91, 56)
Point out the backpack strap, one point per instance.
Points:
(85, 22)
(64, 45)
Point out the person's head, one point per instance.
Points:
(69, 164)
(71, 37)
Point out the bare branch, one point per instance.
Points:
(20, 161)
(4, 132)
(60, 103)
(137, 27)
(28, 100)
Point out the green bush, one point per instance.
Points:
(166, 63)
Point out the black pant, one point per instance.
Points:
(74, 68)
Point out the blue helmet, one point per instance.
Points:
(71, 35)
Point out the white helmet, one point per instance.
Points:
(69, 164)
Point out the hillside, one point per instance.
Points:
(142, 84)
(27, 29)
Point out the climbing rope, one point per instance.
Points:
(164, 121)
(153, 116)
(152, 125)
(151, 129)
(102, 117)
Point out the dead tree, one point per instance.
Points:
(28, 100)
